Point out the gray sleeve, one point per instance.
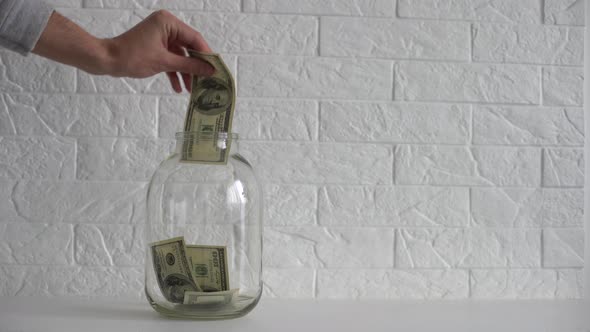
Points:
(21, 23)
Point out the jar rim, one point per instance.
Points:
(181, 135)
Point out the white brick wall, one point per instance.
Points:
(414, 149)
(518, 12)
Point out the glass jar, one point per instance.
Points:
(216, 209)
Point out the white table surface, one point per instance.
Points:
(30, 314)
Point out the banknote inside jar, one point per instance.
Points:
(191, 274)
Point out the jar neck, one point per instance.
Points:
(221, 140)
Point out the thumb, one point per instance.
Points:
(187, 65)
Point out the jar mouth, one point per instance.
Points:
(191, 135)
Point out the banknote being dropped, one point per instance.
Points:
(210, 112)
(173, 271)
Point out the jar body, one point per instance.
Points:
(208, 205)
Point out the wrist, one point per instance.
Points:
(105, 57)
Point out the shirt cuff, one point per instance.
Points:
(23, 24)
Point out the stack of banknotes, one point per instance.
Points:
(191, 274)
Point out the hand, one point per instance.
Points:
(155, 45)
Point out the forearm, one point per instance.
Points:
(64, 41)
(155, 45)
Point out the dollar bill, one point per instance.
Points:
(210, 110)
(173, 270)
(223, 297)
(209, 267)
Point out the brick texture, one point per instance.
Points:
(407, 149)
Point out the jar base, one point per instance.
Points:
(241, 307)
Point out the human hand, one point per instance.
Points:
(157, 44)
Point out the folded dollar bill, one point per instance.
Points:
(172, 268)
(209, 298)
(182, 268)
(209, 267)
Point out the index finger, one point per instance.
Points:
(190, 38)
